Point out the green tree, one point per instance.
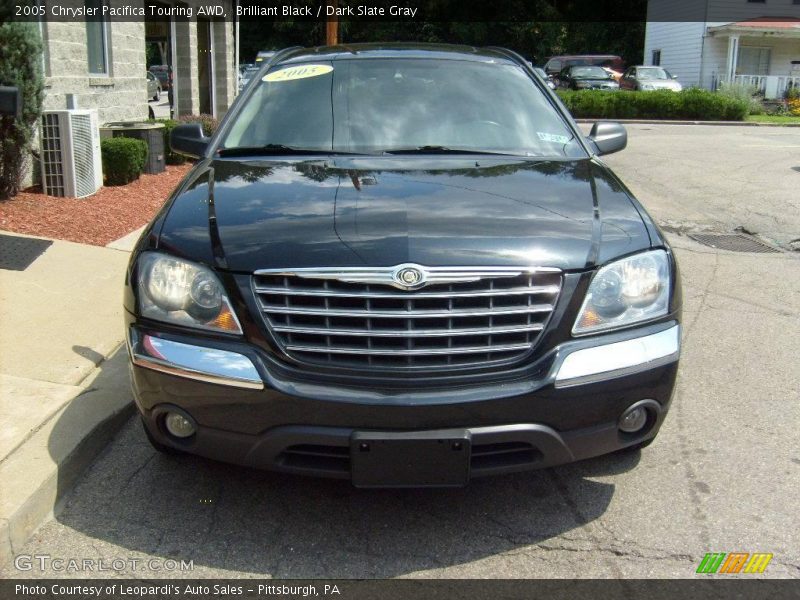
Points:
(20, 66)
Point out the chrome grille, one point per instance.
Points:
(463, 317)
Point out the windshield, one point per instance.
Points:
(589, 73)
(384, 105)
(655, 73)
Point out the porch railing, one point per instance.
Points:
(772, 86)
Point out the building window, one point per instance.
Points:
(753, 61)
(97, 40)
(655, 58)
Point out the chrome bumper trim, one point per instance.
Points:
(200, 363)
(589, 365)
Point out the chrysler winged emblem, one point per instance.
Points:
(409, 277)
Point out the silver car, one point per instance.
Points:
(646, 79)
(153, 86)
(246, 75)
(547, 79)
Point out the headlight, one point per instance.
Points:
(648, 86)
(626, 291)
(177, 291)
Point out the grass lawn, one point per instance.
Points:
(778, 120)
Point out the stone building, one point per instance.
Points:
(103, 62)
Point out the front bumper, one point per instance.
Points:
(246, 413)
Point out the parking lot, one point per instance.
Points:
(716, 177)
(723, 475)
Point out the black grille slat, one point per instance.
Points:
(363, 326)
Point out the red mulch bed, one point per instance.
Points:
(110, 214)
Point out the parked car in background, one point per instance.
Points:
(615, 75)
(547, 79)
(243, 68)
(264, 55)
(164, 75)
(247, 75)
(586, 78)
(153, 87)
(645, 78)
(416, 271)
(556, 64)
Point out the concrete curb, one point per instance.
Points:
(48, 464)
(666, 122)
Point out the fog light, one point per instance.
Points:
(633, 420)
(178, 425)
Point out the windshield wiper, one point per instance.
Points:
(440, 150)
(276, 150)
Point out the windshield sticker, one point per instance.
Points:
(298, 72)
(552, 137)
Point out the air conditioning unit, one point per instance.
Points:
(70, 153)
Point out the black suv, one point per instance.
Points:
(586, 78)
(403, 266)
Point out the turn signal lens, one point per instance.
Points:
(226, 320)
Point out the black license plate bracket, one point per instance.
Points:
(410, 459)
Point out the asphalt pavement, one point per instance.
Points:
(720, 178)
(160, 107)
(723, 475)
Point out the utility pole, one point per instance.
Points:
(331, 23)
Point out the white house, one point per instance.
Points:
(707, 42)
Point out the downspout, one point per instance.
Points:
(703, 47)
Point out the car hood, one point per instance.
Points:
(595, 80)
(383, 211)
(659, 84)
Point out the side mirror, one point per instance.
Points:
(608, 137)
(674, 76)
(188, 139)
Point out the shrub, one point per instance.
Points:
(745, 93)
(20, 66)
(794, 107)
(123, 159)
(207, 122)
(692, 104)
(170, 157)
